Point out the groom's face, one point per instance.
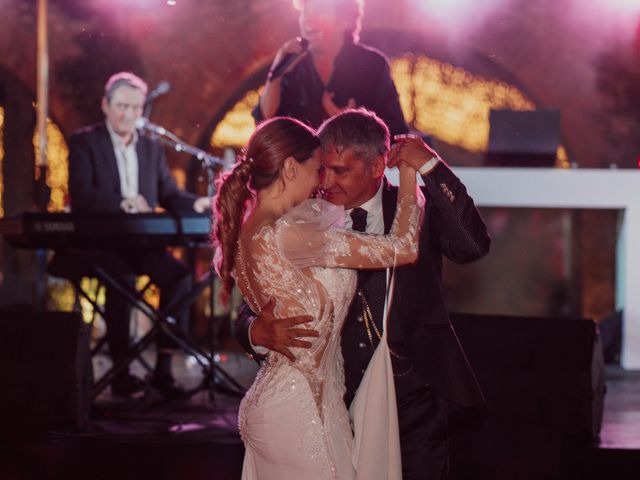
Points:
(347, 180)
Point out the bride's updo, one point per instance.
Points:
(258, 167)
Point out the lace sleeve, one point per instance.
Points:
(312, 235)
(304, 232)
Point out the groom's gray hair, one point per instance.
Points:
(359, 129)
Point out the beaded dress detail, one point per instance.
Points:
(293, 420)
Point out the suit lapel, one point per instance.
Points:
(142, 149)
(389, 201)
(109, 155)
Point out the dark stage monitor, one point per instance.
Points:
(523, 138)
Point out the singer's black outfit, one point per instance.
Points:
(94, 186)
(429, 364)
(359, 72)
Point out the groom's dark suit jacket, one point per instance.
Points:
(419, 324)
(94, 184)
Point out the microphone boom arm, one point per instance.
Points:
(167, 138)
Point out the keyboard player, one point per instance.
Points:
(113, 169)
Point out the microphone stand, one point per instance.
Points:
(209, 163)
(146, 113)
(161, 89)
(167, 138)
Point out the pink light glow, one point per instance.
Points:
(623, 6)
(458, 16)
(614, 8)
(600, 21)
(615, 18)
(137, 4)
(449, 10)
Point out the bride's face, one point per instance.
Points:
(307, 179)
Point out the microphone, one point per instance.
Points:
(143, 123)
(162, 88)
(280, 68)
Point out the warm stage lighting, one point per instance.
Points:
(137, 5)
(615, 7)
(456, 16)
(625, 6)
(446, 8)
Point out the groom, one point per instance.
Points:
(430, 367)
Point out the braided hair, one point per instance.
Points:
(259, 166)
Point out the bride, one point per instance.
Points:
(275, 241)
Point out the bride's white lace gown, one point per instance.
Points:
(293, 420)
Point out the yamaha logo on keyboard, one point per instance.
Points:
(54, 227)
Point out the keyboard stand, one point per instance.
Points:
(160, 322)
(83, 265)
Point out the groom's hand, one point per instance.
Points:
(279, 334)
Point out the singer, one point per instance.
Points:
(327, 70)
(111, 168)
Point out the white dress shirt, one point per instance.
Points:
(375, 217)
(127, 159)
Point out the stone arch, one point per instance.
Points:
(399, 44)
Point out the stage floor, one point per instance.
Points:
(621, 419)
(198, 438)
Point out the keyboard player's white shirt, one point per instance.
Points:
(127, 160)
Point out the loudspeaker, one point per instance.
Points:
(45, 372)
(611, 332)
(523, 138)
(543, 380)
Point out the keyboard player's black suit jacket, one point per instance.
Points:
(94, 186)
(94, 183)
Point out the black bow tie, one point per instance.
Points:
(359, 219)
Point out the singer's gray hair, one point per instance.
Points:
(119, 79)
(350, 9)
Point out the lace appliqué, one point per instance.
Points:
(263, 272)
(286, 261)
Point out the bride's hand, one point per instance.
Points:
(411, 150)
